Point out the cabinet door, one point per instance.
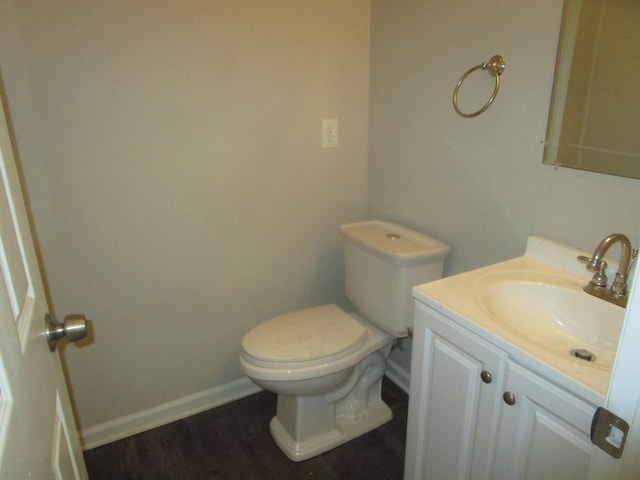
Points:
(545, 434)
(452, 421)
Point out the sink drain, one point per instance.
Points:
(583, 354)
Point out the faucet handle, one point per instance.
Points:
(634, 255)
(591, 265)
(600, 268)
(619, 285)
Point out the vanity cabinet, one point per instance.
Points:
(461, 426)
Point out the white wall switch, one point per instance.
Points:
(329, 132)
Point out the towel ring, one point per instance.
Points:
(495, 66)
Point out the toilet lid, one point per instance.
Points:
(305, 335)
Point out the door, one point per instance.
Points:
(544, 431)
(38, 436)
(623, 397)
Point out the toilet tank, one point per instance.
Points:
(383, 261)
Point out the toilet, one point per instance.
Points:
(326, 365)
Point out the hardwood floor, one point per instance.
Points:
(233, 442)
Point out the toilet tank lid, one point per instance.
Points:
(395, 242)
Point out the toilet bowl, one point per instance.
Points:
(324, 396)
(325, 364)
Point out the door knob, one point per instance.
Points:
(74, 328)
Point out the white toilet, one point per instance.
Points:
(325, 364)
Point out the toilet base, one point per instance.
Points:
(346, 428)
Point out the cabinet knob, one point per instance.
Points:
(509, 398)
(486, 376)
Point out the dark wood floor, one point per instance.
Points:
(233, 442)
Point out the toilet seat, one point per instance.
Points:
(308, 337)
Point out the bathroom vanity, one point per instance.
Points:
(497, 388)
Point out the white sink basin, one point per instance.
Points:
(553, 312)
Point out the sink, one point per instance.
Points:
(533, 307)
(554, 313)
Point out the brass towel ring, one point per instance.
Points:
(495, 66)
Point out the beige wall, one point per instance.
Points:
(478, 184)
(172, 156)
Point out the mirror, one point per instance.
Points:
(594, 119)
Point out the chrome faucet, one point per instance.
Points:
(598, 285)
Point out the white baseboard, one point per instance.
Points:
(159, 415)
(398, 375)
